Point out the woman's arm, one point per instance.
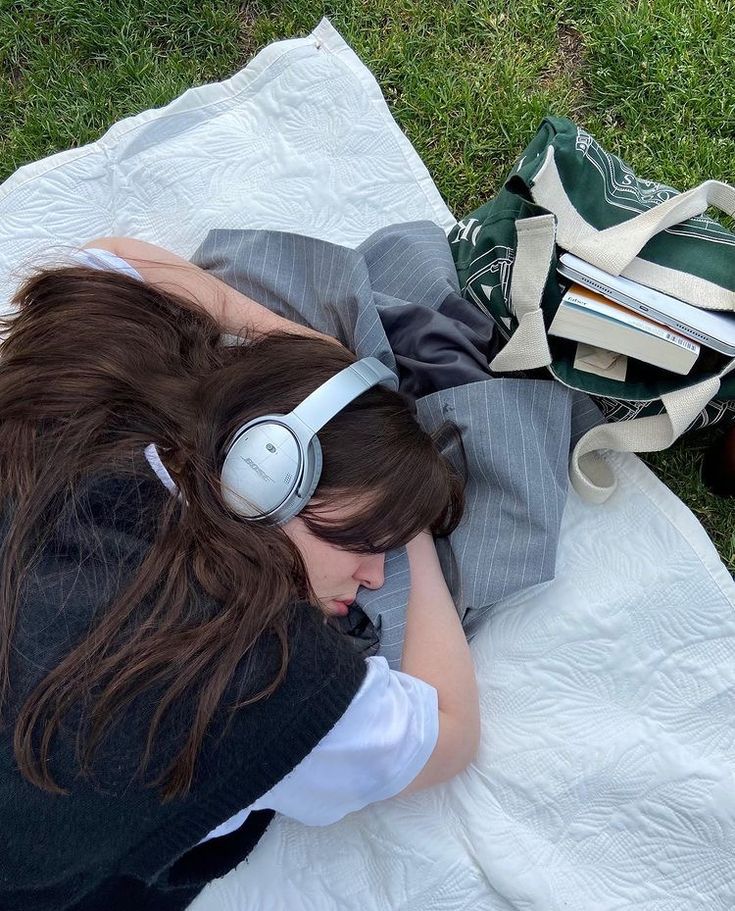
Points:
(435, 650)
(169, 272)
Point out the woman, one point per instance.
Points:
(162, 671)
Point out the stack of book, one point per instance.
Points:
(614, 318)
(585, 316)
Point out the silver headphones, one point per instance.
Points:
(273, 463)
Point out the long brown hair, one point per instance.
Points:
(97, 365)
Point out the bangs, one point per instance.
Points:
(381, 513)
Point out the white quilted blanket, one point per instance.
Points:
(606, 776)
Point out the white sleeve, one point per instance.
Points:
(98, 258)
(374, 751)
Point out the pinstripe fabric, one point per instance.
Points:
(516, 433)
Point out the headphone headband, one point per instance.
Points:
(331, 397)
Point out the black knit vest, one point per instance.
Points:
(111, 843)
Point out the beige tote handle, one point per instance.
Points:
(592, 477)
(528, 347)
(615, 248)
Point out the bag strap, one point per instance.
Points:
(614, 249)
(528, 347)
(592, 477)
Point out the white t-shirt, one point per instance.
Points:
(378, 746)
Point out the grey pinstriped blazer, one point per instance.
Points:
(517, 433)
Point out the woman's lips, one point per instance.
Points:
(342, 608)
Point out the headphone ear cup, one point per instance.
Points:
(261, 468)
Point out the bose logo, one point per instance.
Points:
(259, 471)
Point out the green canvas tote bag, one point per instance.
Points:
(566, 193)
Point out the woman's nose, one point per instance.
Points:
(371, 572)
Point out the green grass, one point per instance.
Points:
(467, 81)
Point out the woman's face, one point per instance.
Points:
(335, 574)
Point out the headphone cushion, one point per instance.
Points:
(312, 474)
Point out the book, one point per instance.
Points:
(585, 316)
(711, 328)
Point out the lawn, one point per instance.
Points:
(467, 81)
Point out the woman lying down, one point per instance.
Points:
(180, 519)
